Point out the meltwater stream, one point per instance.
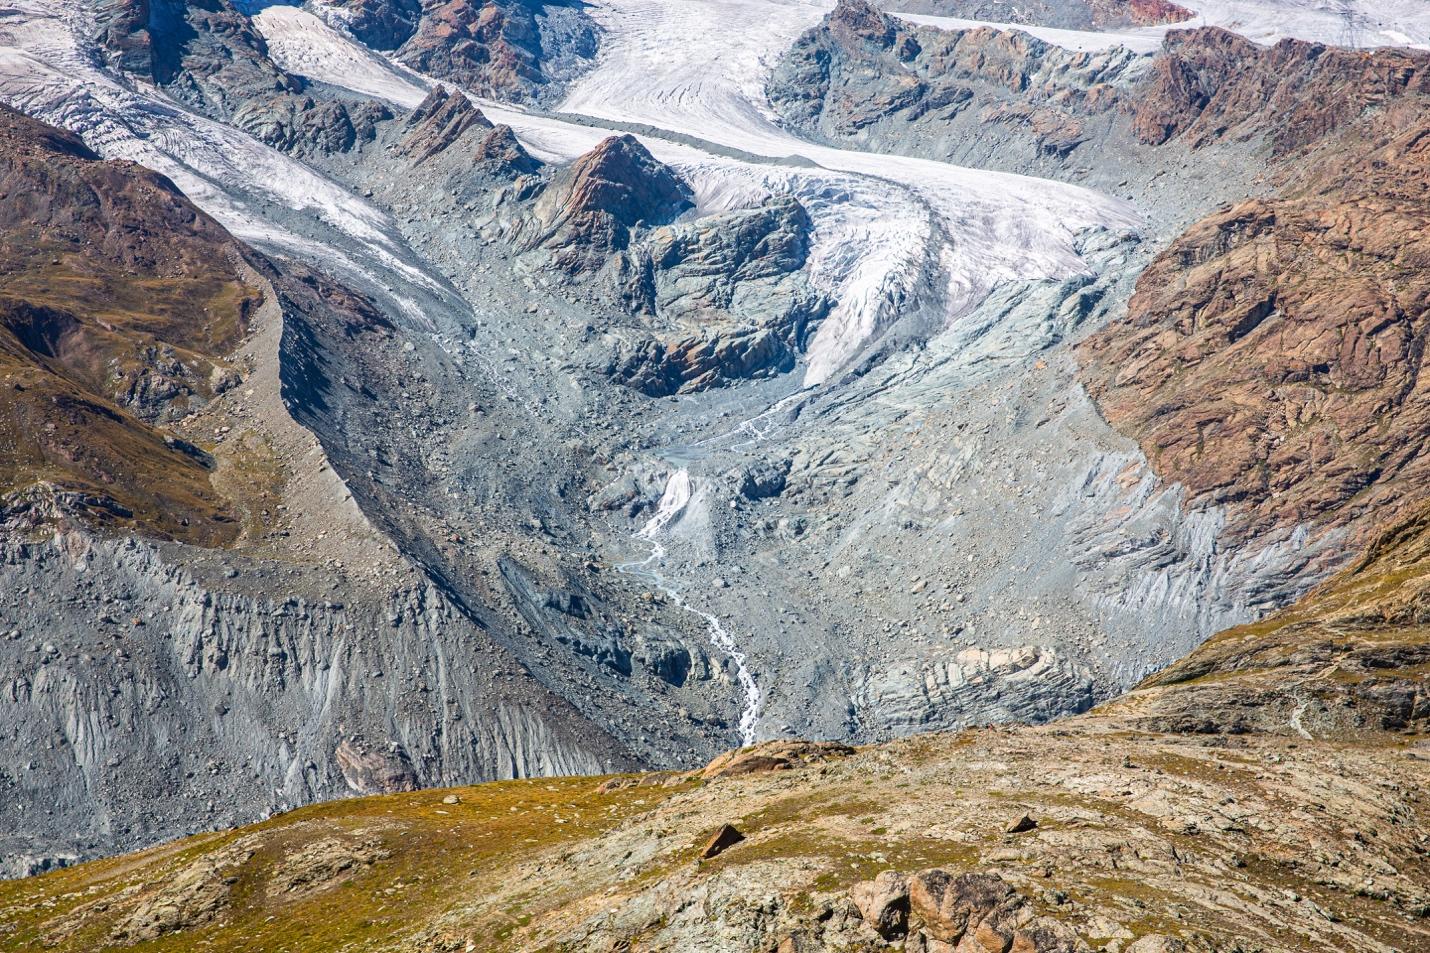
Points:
(678, 491)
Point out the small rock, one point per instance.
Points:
(451, 799)
(1022, 825)
(722, 840)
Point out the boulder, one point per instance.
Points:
(773, 756)
(949, 905)
(884, 903)
(722, 840)
(369, 770)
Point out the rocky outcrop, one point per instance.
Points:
(447, 127)
(732, 289)
(946, 908)
(515, 50)
(983, 96)
(593, 208)
(773, 756)
(976, 686)
(1209, 86)
(206, 52)
(209, 55)
(1270, 359)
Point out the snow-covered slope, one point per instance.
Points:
(1360, 23)
(680, 67)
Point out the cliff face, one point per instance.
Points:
(1209, 86)
(1271, 357)
(863, 76)
(1005, 99)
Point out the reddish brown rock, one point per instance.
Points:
(1107, 13)
(589, 210)
(1210, 85)
(1271, 358)
(947, 905)
(722, 840)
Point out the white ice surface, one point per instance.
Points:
(45, 72)
(872, 240)
(691, 68)
(303, 44)
(1362, 23)
(1370, 22)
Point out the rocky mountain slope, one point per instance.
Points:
(584, 409)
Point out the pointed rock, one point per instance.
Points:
(1022, 825)
(438, 122)
(593, 204)
(722, 840)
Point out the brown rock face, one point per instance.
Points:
(980, 913)
(488, 46)
(1209, 85)
(438, 122)
(1271, 358)
(589, 210)
(1137, 12)
(720, 841)
(949, 905)
(118, 299)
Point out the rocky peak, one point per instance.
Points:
(862, 22)
(439, 121)
(593, 205)
(620, 178)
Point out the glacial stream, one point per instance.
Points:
(678, 491)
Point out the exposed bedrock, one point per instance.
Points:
(1067, 14)
(515, 50)
(1124, 122)
(1271, 358)
(689, 302)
